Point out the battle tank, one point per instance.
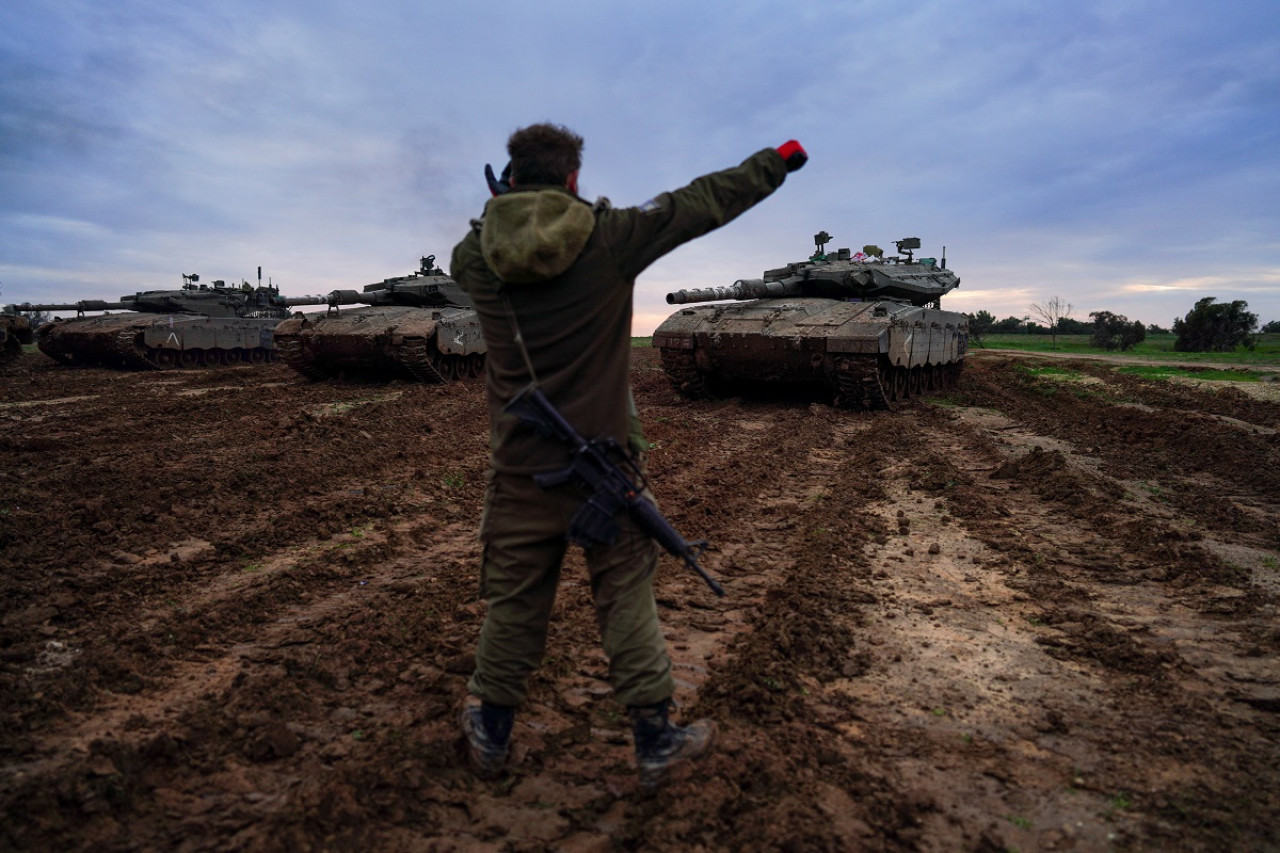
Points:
(15, 330)
(419, 326)
(867, 328)
(198, 325)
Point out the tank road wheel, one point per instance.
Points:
(257, 355)
(915, 382)
(448, 367)
(190, 358)
(884, 386)
(233, 356)
(475, 365)
(166, 358)
(900, 384)
(439, 365)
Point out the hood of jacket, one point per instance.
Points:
(533, 235)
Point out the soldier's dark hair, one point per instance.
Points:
(544, 154)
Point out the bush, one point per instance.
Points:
(1210, 327)
(979, 325)
(1114, 331)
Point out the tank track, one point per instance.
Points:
(875, 384)
(130, 354)
(428, 364)
(417, 358)
(684, 374)
(866, 383)
(859, 385)
(54, 351)
(289, 350)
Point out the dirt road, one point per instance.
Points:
(1039, 614)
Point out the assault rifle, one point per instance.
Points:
(613, 489)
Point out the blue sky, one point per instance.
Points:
(1121, 156)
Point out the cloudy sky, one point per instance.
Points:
(1118, 155)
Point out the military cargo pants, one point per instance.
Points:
(523, 534)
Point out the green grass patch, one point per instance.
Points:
(642, 342)
(1266, 352)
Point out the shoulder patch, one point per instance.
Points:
(650, 206)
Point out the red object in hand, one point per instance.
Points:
(793, 154)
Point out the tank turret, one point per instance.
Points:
(419, 326)
(867, 328)
(195, 325)
(843, 275)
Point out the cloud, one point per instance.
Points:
(1110, 153)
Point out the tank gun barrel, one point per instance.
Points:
(81, 306)
(290, 301)
(743, 288)
(347, 297)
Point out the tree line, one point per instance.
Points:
(1210, 326)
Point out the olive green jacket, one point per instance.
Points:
(569, 269)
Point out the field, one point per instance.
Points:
(238, 610)
(1266, 351)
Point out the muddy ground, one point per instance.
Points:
(1037, 614)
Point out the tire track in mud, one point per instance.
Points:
(1025, 730)
(105, 760)
(1213, 456)
(1110, 606)
(557, 756)
(963, 697)
(780, 773)
(1071, 663)
(572, 743)
(286, 609)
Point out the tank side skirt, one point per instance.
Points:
(683, 373)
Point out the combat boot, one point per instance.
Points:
(660, 746)
(487, 728)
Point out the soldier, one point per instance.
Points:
(552, 278)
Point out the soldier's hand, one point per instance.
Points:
(793, 154)
(498, 186)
